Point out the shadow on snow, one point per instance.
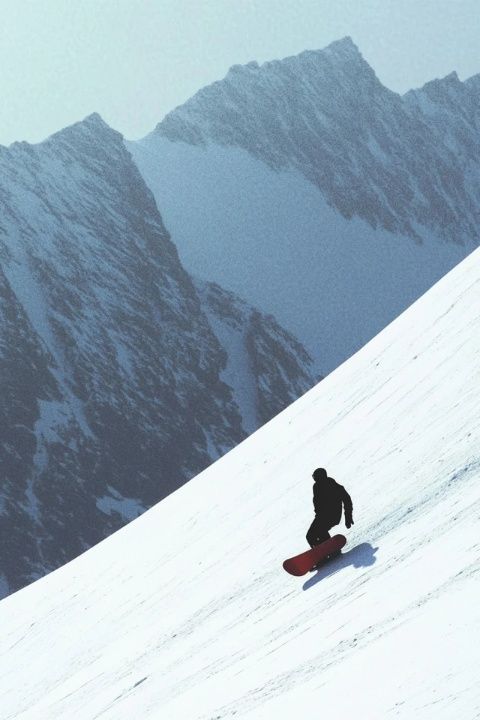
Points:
(362, 555)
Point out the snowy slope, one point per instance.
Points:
(307, 186)
(187, 613)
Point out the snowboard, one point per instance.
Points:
(306, 561)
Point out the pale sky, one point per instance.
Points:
(134, 60)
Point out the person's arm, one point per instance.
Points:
(348, 508)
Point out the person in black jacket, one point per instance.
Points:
(328, 498)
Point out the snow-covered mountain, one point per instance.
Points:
(266, 366)
(187, 612)
(307, 186)
(119, 379)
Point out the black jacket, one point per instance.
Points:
(328, 497)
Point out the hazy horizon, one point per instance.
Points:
(132, 61)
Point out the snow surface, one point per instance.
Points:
(271, 237)
(187, 612)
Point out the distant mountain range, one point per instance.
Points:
(324, 197)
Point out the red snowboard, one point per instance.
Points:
(303, 563)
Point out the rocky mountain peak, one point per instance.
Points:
(371, 152)
(339, 53)
(343, 49)
(265, 95)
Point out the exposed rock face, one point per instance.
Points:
(267, 368)
(326, 114)
(111, 389)
(451, 109)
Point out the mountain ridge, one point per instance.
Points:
(111, 378)
(352, 199)
(326, 114)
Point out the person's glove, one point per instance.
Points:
(349, 523)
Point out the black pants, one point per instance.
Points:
(318, 531)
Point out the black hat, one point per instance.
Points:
(319, 474)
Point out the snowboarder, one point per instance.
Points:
(328, 498)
